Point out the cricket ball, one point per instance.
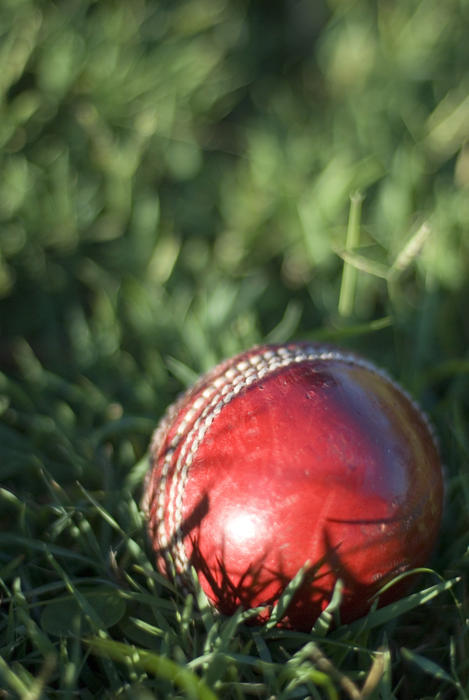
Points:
(288, 457)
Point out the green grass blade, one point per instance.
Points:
(428, 666)
(390, 612)
(281, 607)
(155, 664)
(349, 273)
(12, 679)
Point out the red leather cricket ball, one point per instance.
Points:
(287, 455)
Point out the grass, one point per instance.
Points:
(175, 187)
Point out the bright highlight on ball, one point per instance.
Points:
(290, 455)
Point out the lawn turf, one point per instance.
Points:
(177, 179)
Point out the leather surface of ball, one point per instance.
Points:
(291, 455)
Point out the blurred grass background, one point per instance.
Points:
(175, 187)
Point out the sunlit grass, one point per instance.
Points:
(175, 187)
